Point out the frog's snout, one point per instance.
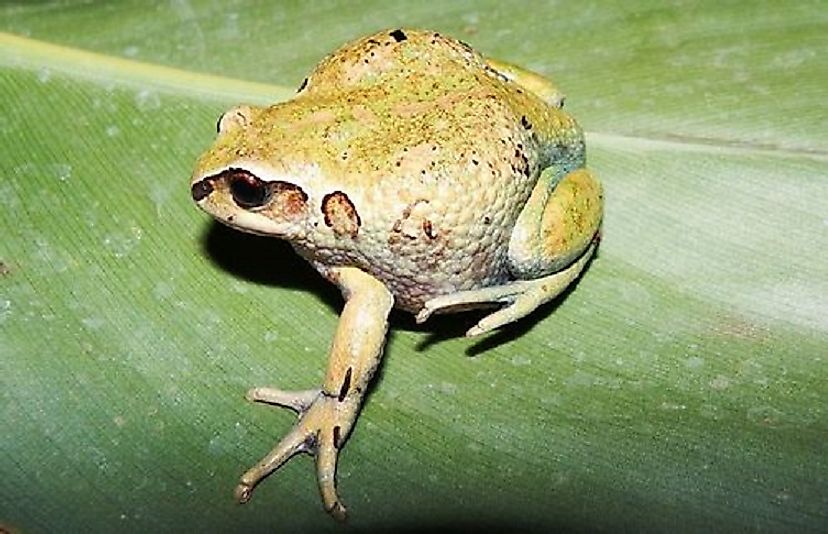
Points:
(236, 190)
(201, 189)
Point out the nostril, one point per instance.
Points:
(247, 190)
(201, 190)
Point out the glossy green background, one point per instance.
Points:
(681, 385)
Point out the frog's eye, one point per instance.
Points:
(248, 191)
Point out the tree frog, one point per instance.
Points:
(413, 172)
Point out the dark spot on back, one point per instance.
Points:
(399, 35)
(428, 229)
(525, 122)
(337, 435)
(303, 85)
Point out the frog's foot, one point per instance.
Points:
(324, 423)
(521, 296)
(327, 415)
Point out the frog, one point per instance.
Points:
(414, 173)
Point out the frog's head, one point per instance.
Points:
(236, 185)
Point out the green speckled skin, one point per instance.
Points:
(436, 151)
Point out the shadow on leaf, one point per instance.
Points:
(273, 262)
(267, 261)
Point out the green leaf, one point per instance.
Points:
(680, 386)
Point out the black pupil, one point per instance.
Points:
(248, 191)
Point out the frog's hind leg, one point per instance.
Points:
(554, 238)
(522, 296)
(327, 415)
(559, 222)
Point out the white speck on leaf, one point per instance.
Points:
(448, 388)
(63, 171)
(720, 383)
(580, 378)
(765, 415)
(162, 290)
(270, 336)
(93, 322)
(239, 287)
(122, 244)
(44, 75)
(147, 100)
(521, 359)
(5, 309)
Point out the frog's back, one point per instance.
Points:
(437, 152)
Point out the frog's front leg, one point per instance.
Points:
(554, 237)
(327, 416)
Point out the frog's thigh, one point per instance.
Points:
(554, 238)
(557, 224)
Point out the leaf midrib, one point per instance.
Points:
(33, 54)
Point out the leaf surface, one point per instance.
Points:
(681, 384)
